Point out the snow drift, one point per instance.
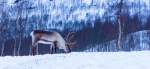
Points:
(79, 60)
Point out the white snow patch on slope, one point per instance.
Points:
(78, 60)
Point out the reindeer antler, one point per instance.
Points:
(68, 36)
(68, 39)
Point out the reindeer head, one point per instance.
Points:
(68, 43)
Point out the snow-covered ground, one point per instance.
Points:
(80, 60)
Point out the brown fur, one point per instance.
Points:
(46, 37)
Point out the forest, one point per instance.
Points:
(94, 21)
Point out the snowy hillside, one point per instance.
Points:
(136, 41)
(80, 60)
(94, 21)
(70, 11)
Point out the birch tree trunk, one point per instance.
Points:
(20, 26)
(16, 31)
(15, 37)
(3, 47)
(1, 24)
(18, 52)
(40, 25)
(120, 28)
(15, 43)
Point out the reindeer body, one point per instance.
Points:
(46, 37)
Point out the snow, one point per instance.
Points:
(88, 2)
(79, 60)
(10, 2)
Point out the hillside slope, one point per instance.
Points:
(79, 60)
(137, 41)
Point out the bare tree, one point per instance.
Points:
(15, 37)
(40, 24)
(20, 26)
(19, 11)
(120, 28)
(3, 26)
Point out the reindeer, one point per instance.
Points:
(53, 38)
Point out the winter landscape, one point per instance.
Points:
(79, 60)
(74, 34)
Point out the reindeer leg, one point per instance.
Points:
(32, 50)
(32, 47)
(51, 50)
(54, 46)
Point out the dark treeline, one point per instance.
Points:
(90, 33)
